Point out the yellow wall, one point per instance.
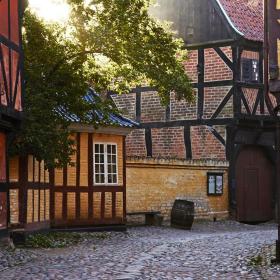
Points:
(84, 194)
(40, 199)
(153, 185)
(71, 170)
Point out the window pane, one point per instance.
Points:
(109, 168)
(114, 149)
(97, 178)
(101, 158)
(219, 184)
(211, 184)
(102, 169)
(97, 158)
(114, 159)
(102, 179)
(110, 179)
(109, 149)
(96, 148)
(97, 168)
(114, 169)
(114, 178)
(109, 159)
(101, 149)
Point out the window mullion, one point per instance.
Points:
(216, 184)
(105, 164)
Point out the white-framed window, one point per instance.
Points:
(215, 183)
(105, 164)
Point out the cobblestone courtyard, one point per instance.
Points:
(210, 251)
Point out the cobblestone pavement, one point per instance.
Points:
(210, 251)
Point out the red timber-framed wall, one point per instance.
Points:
(11, 65)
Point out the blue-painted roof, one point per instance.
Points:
(111, 119)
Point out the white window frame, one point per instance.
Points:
(105, 164)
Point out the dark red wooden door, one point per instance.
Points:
(254, 184)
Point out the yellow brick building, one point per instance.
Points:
(154, 185)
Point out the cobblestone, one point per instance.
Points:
(220, 250)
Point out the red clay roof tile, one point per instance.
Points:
(246, 16)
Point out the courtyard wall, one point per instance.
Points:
(154, 184)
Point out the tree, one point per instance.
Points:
(108, 45)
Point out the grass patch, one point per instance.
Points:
(60, 239)
(256, 261)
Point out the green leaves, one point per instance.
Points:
(135, 45)
(109, 45)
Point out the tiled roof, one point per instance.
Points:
(246, 16)
(111, 119)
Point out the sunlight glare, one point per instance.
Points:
(51, 10)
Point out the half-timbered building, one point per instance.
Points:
(217, 151)
(89, 192)
(92, 190)
(10, 90)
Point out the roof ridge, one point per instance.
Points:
(246, 16)
(228, 18)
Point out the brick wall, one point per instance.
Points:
(250, 94)
(191, 65)
(151, 108)
(215, 67)
(169, 143)
(182, 110)
(135, 143)
(153, 185)
(205, 145)
(126, 104)
(212, 99)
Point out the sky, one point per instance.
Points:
(51, 10)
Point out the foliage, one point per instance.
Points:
(45, 131)
(135, 46)
(109, 45)
(256, 261)
(61, 239)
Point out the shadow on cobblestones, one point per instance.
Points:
(220, 250)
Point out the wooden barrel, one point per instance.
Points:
(182, 214)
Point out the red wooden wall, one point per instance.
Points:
(10, 87)
(10, 54)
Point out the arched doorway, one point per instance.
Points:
(254, 185)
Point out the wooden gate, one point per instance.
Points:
(254, 185)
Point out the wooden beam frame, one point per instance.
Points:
(149, 141)
(236, 56)
(217, 135)
(224, 57)
(183, 123)
(78, 170)
(90, 175)
(200, 86)
(188, 142)
(222, 104)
